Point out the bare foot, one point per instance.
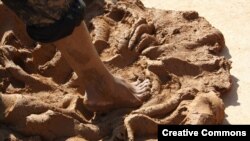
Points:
(104, 92)
(121, 95)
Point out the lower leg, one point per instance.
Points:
(103, 91)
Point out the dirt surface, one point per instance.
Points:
(178, 51)
(231, 17)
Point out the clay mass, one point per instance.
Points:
(178, 51)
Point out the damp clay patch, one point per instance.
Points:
(178, 51)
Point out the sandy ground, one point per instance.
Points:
(231, 17)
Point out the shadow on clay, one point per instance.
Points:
(94, 8)
(226, 122)
(231, 97)
(225, 52)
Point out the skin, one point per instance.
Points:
(104, 91)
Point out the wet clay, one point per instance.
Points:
(178, 51)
